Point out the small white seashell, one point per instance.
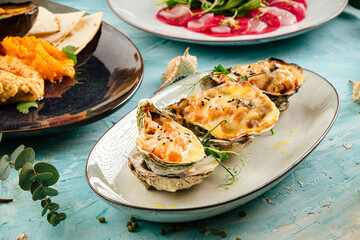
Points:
(356, 91)
(347, 145)
(181, 66)
(22, 236)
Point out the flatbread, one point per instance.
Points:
(67, 22)
(46, 23)
(83, 32)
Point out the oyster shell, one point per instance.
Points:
(167, 147)
(356, 91)
(181, 66)
(281, 81)
(185, 180)
(247, 110)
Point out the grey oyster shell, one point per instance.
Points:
(183, 181)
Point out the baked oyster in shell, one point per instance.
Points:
(245, 108)
(167, 147)
(183, 181)
(274, 77)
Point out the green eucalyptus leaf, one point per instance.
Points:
(25, 175)
(44, 211)
(16, 153)
(38, 193)
(26, 156)
(4, 167)
(54, 221)
(34, 186)
(42, 176)
(61, 216)
(50, 191)
(45, 202)
(43, 167)
(1, 136)
(53, 207)
(49, 216)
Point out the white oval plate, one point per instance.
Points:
(311, 114)
(142, 14)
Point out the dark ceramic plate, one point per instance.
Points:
(104, 82)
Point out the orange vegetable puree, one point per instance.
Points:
(50, 62)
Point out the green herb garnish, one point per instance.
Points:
(272, 131)
(34, 178)
(1, 16)
(219, 156)
(241, 8)
(23, 107)
(70, 53)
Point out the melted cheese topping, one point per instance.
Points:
(246, 108)
(281, 77)
(169, 141)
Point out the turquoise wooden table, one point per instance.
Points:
(319, 200)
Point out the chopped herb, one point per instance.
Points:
(23, 107)
(272, 131)
(70, 53)
(221, 69)
(1, 16)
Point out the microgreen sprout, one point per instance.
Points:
(218, 70)
(219, 156)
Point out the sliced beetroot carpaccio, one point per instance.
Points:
(295, 8)
(177, 16)
(303, 2)
(241, 26)
(286, 17)
(214, 22)
(197, 23)
(257, 19)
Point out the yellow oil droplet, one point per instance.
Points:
(151, 196)
(281, 144)
(292, 133)
(285, 152)
(158, 205)
(172, 206)
(191, 169)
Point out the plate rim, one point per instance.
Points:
(90, 119)
(223, 40)
(259, 188)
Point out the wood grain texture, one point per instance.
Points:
(319, 200)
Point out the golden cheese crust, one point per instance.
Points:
(280, 78)
(246, 109)
(168, 141)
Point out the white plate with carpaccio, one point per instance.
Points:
(230, 22)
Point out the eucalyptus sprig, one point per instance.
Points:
(34, 178)
(219, 156)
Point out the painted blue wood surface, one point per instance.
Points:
(319, 200)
